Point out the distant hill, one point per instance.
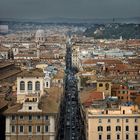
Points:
(113, 31)
(56, 20)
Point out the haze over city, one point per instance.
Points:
(43, 9)
(69, 69)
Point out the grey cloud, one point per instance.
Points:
(69, 8)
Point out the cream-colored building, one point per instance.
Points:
(33, 117)
(122, 123)
(32, 120)
(75, 57)
(104, 85)
(30, 82)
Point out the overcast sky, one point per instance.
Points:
(41, 9)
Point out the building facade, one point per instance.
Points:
(29, 122)
(122, 123)
(30, 83)
(104, 86)
(33, 116)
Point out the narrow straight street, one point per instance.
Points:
(70, 119)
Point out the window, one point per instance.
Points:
(118, 128)
(108, 128)
(118, 120)
(106, 111)
(100, 85)
(136, 128)
(37, 85)
(46, 117)
(100, 120)
(127, 136)
(30, 129)
(100, 137)
(100, 128)
(126, 120)
(38, 129)
(46, 128)
(38, 117)
(21, 129)
(118, 136)
(13, 117)
(47, 84)
(21, 117)
(30, 117)
(29, 85)
(136, 120)
(127, 128)
(30, 107)
(22, 85)
(108, 120)
(123, 111)
(108, 137)
(136, 136)
(13, 129)
(106, 86)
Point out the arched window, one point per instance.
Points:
(106, 86)
(22, 85)
(118, 128)
(47, 84)
(100, 85)
(30, 86)
(100, 128)
(37, 85)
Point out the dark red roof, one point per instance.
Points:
(94, 97)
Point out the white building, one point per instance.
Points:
(47, 80)
(40, 36)
(75, 57)
(30, 83)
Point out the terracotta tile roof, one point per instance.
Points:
(59, 75)
(106, 61)
(3, 103)
(13, 109)
(95, 96)
(32, 73)
(48, 103)
(3, 49)
(25, 55)
(4, 64)
(134, 61)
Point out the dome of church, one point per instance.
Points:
(40, 36)
(40, 33)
